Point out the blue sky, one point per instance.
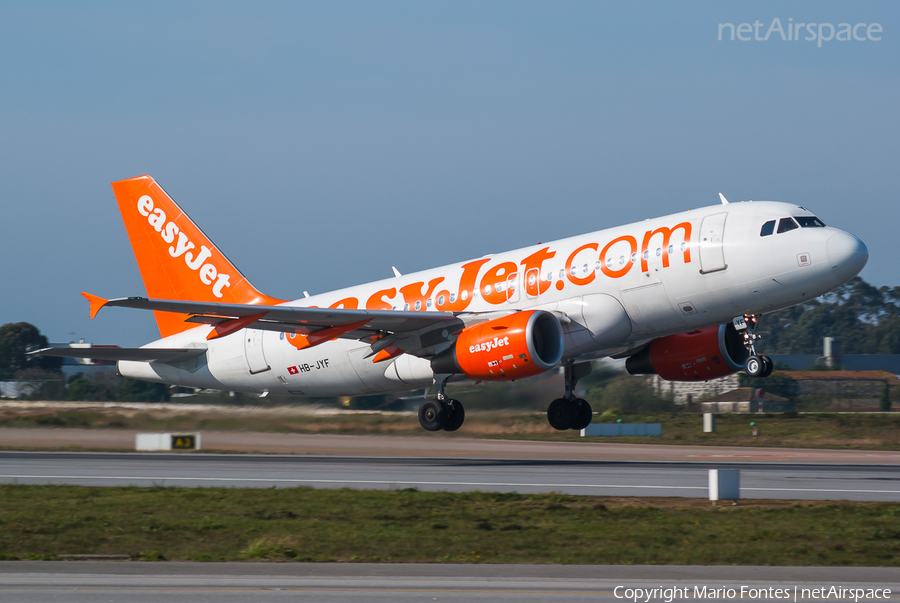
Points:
(320, 143)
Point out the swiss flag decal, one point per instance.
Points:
(293, 370)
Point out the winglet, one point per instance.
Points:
(96, 302)
(396, 272)
(724, 200)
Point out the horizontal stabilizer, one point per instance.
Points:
(116, 353)
(96, 302)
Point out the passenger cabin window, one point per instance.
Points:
(767, 229)
(786, 224)
(809, 222)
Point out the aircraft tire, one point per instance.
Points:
(432, 415)
(584, 416)
(561, 413)
(754, 367)
(455, 417)
(769, 366)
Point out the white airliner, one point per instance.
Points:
(679, 296)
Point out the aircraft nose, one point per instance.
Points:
(847, 255)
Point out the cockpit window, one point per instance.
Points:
(767, 228)
(809, 222)
(786, 224)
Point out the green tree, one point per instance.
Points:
(83, 389)
(777, 383)
(865, 318)
(884, 404)
(102, 388)
(15, 340)
(627, 394)
(132, 390)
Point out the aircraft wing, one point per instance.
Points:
(117, 353)
(289, 318)
(390, 332)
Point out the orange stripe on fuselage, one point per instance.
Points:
(617, 258)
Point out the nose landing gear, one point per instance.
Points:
(756, 365)
(570, 412)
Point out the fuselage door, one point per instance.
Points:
(712, 232)
(253, 349)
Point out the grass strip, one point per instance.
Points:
(306, 524)
(812, 430)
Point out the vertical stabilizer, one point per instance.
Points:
(176, 260)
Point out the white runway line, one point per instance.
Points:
(343, 481)
(822, 490)
(418, 483)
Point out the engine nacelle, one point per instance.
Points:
(512, 347)
(700, 355)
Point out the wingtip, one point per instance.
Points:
(96, 302)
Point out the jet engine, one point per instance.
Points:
(699, 355)
(511, 347)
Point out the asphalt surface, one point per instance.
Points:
(82, 582)
(440, 445)
(797, 481)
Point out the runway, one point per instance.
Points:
(801, 481)
(441, 445)
(83, 582)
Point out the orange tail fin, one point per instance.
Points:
(176, 260)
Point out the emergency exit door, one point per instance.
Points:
(253, 349)
(712, 233)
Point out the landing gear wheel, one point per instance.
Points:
(562, 413)
(754, 367)
(584, 416)
(768, 365)
(432, 415)
(456, 415)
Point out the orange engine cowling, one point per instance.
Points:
(511, 347)
(699, 355)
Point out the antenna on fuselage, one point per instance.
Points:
(396, 272)
(724, 200)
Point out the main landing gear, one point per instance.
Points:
(444, 413)
(570, 412)
(756, 365)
